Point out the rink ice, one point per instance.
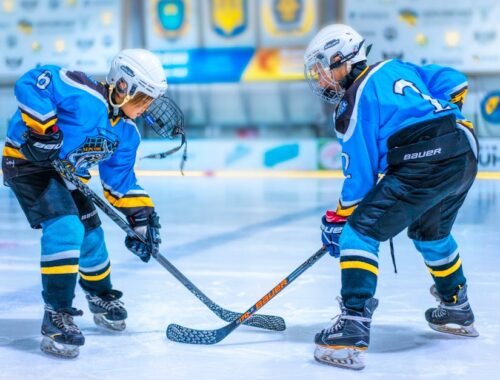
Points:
(236, 239)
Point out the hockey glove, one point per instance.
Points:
(149, 229)
(331, 228)
(42, 149)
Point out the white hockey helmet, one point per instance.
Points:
(333, 46)
(136, 70)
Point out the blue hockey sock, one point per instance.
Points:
(443, 262)
(359, 267)
(95, 267)
(61, 241)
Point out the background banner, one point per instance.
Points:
(461, 34)
(287, 22)
(82, 34)
(229, 23)
(172, 24)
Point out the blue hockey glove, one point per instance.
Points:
(149, 228)
(41, 149)
(331, 228)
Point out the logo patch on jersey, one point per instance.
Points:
(341, 108)
(331, 43)
(91, 152)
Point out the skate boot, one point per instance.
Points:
(454, 316)
(61, 336)
(108, 310)
(341, 344)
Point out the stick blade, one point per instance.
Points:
(261, 321)
(181, 334)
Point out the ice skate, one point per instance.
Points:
(108, 310)
(341, 344)
(454, 317)
(61, 336)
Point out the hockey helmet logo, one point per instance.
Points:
(127, 70)
(331, 43)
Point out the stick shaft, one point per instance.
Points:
(183, 334)
(269, 322)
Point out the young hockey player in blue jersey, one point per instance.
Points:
(67, 115)
(403, 121)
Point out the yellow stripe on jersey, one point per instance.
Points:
(113, 122)
(96, 277)
(446, 272)
(61, 269)
(345, 212)
(359, 265)
(12, 152)
(362, 73)
(459, 97)
(36, 125)
(128, 202)
(466, 123)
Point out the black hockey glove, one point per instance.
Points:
(149, 228)
(42, 149)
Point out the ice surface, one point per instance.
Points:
(236, 239)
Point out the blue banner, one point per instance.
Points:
(205, 65)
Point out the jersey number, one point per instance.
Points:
(399, 88)
(43, 80)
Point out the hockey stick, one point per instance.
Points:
(182, 334)
(268, 322)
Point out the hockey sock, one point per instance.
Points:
(95, 267)
(359, 267)
(61, 241)
(443, 262)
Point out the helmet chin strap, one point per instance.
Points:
(353, 71)
(116, 106)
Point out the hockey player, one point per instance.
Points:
(68, 115)
(403, 121)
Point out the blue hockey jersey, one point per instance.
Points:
(384, 99)
(78, 105)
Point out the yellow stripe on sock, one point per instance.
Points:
(61, 269)
(97, 277)
(359, 265)
(446, 272)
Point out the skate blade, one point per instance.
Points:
(60, 350)
(454, 329)
(100, 320)
(343, 358)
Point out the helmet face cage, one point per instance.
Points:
(164, 117)
(320, 80)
